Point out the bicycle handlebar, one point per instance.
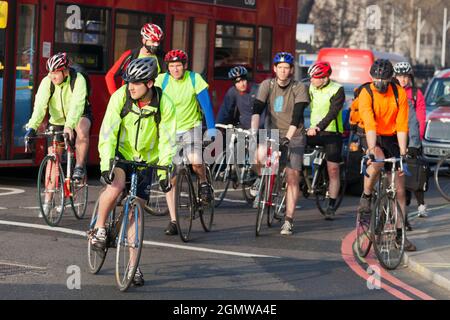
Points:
(393, 160)
(48, 133)
(230, 126)
(140, 164)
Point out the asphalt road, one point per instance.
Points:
(229, 263)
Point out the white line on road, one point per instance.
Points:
(151, 243)
(11, 191)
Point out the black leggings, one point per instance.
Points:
(420, 196)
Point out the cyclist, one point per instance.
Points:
(385, 120)
(286, 99)
(188, 91)
(134, 129)
(327, 101)
(236, 108)
(405, 77)
(152, 35)
(69, 111)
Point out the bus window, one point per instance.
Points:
(24, 70)
(180, 34)
(83, 33)
(128, 30)
(264, 53)
(3, 14)
(200, 45)
(234, 45)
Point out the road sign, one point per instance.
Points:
(306, 60)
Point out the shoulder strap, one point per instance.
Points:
(414, 92)
(135, 53)
(165, 81)
(395, 90)
(127, 106)
(192, 76)
(73, 78)
(52, 91)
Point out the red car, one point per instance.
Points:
(437, 133)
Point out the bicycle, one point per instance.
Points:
(55, 188)
(387, 225)
(187, 201)
(156, 204)
(442, 176)
(124, 229)
(315, 181)
(227, 169)
(272, 189)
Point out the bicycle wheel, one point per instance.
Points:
(156, 204)
(442, 177)
(277, 210)
(206, 211)
(363, 235)
(184, 203)
(50, 191)
(129, 244)
(321, 189)
(262, 203)
(247, 182)
(220, 173)
(79, 198)
(96, 257)
(388, 243)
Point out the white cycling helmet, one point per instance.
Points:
(402, 68)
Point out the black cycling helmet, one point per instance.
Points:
(382, 69)
(141, 70)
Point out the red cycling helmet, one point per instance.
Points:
(176, 55)
(320, 69)
(57, 62)
(152, 32)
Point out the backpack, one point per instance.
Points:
(73, 72)
(355, 117)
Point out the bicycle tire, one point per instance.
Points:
(363, 235)
(247, 185)
(184, 203)
(442, 177)
(79, 198)
(220, 182)
(156, 204)
(278, 209)
(124, 272)
(54, 215)
(96, 258)
(384, 232)
(262, 204)
(206, 211)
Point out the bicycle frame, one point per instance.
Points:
(318, 158)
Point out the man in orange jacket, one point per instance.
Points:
(384, 112)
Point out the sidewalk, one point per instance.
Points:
(431, 236)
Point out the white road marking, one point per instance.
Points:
(10, 191)
(151, 243)
(21, 265)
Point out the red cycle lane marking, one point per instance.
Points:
(387, 276)
(349, 258)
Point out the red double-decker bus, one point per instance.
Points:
(217, 34)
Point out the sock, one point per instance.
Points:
(332, 202)
(290, 220)
(365, 196)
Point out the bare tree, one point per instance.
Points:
(304, 10)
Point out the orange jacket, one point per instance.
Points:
(389, 119)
